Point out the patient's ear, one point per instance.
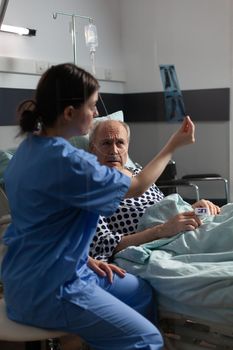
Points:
(91, 148)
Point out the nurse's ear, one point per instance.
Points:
(68, 113)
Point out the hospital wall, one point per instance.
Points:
(136, 36)
(195, 36)
(20, 57)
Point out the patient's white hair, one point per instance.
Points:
(95, 127)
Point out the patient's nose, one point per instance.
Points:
(114, 148)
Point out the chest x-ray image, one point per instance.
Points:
(174, 104)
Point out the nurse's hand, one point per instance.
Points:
(104, 269)
(185, 135)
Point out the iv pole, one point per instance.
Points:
(73, 29)
(73, 35)
(3, 7)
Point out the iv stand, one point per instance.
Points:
(3, 7)
(73, 29)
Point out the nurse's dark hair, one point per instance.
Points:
(60, 86)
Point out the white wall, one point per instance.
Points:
(195, 36)
(53, 40)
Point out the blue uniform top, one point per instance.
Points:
(56, 194)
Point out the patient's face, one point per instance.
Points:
(111, 144)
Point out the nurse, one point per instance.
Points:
(56, 194)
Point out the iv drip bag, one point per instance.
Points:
(91, 37)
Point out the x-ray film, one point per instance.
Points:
(174, 103)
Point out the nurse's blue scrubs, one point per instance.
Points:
(56, 194)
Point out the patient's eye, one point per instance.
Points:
(106, 143)
(120, 143)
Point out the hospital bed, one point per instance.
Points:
(180, 330)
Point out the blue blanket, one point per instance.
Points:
(192, 272)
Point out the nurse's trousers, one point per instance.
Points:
(115, 318)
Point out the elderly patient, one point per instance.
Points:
(109, 141)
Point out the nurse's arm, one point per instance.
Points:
(151, 172)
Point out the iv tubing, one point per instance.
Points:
(73, 36)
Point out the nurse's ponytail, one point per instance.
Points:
(28, 116)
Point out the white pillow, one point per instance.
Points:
(114, 116)
(83, 141)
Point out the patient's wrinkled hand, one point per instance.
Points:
(104, 269)
(212, 208)
(186, 221)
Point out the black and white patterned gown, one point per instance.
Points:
(124, 221)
